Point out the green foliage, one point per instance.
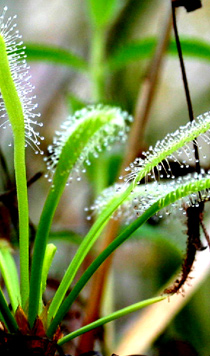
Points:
(102, 11)
(88, 129)
(144, 48)
(194, 48)
(169, 198)
(55, 55)
(110, 317)
(10, 275)
(15, 111)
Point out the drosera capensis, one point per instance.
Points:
(148, 186)
(18, 110)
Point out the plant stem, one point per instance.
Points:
(81, 253)
(7, 315)
(97, 70)
(21, 183)
(106, 319)
(90, 126)
(39, 253)
(10, 275)
(55, 55)
(15, 113)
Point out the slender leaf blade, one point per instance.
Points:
(161, 151)
(102, 11)
(10, 276)
(113, 316)
(168, 199)
(55, 55)
(87, 129)
(143, 49)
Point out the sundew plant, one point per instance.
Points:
(30, 323)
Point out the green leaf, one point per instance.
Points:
(138, 50)
(83, 134)
(168, 199)
(192, 47)
(9, 274)
(113, 316)
(130, 52)
(142, 49)
(48, 258)
(140, 169)
(7, 315)
(18, 108)
(55, 55)
(102, 11)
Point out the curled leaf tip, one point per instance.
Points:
(14, 66)
(153, 177)
(92, 129)
(176, 147)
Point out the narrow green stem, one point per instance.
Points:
(22, 196)
(7, 315)
(96, 264)
(10, 275)
(55, 55)
(106, 319)
(15, 113)
(97, 69)
(39, 253)
(76, 143)
(48, 258)
(82, 251)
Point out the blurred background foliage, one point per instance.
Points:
(109, 59)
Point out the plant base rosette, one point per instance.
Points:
(28, 341)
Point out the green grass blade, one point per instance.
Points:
(7, 315)
(113, 316)
(130, 52)
(192, 47)
(55, 55)
(48, 258)
(143, 49)
(10, 276)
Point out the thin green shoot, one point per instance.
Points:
(113, 316)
